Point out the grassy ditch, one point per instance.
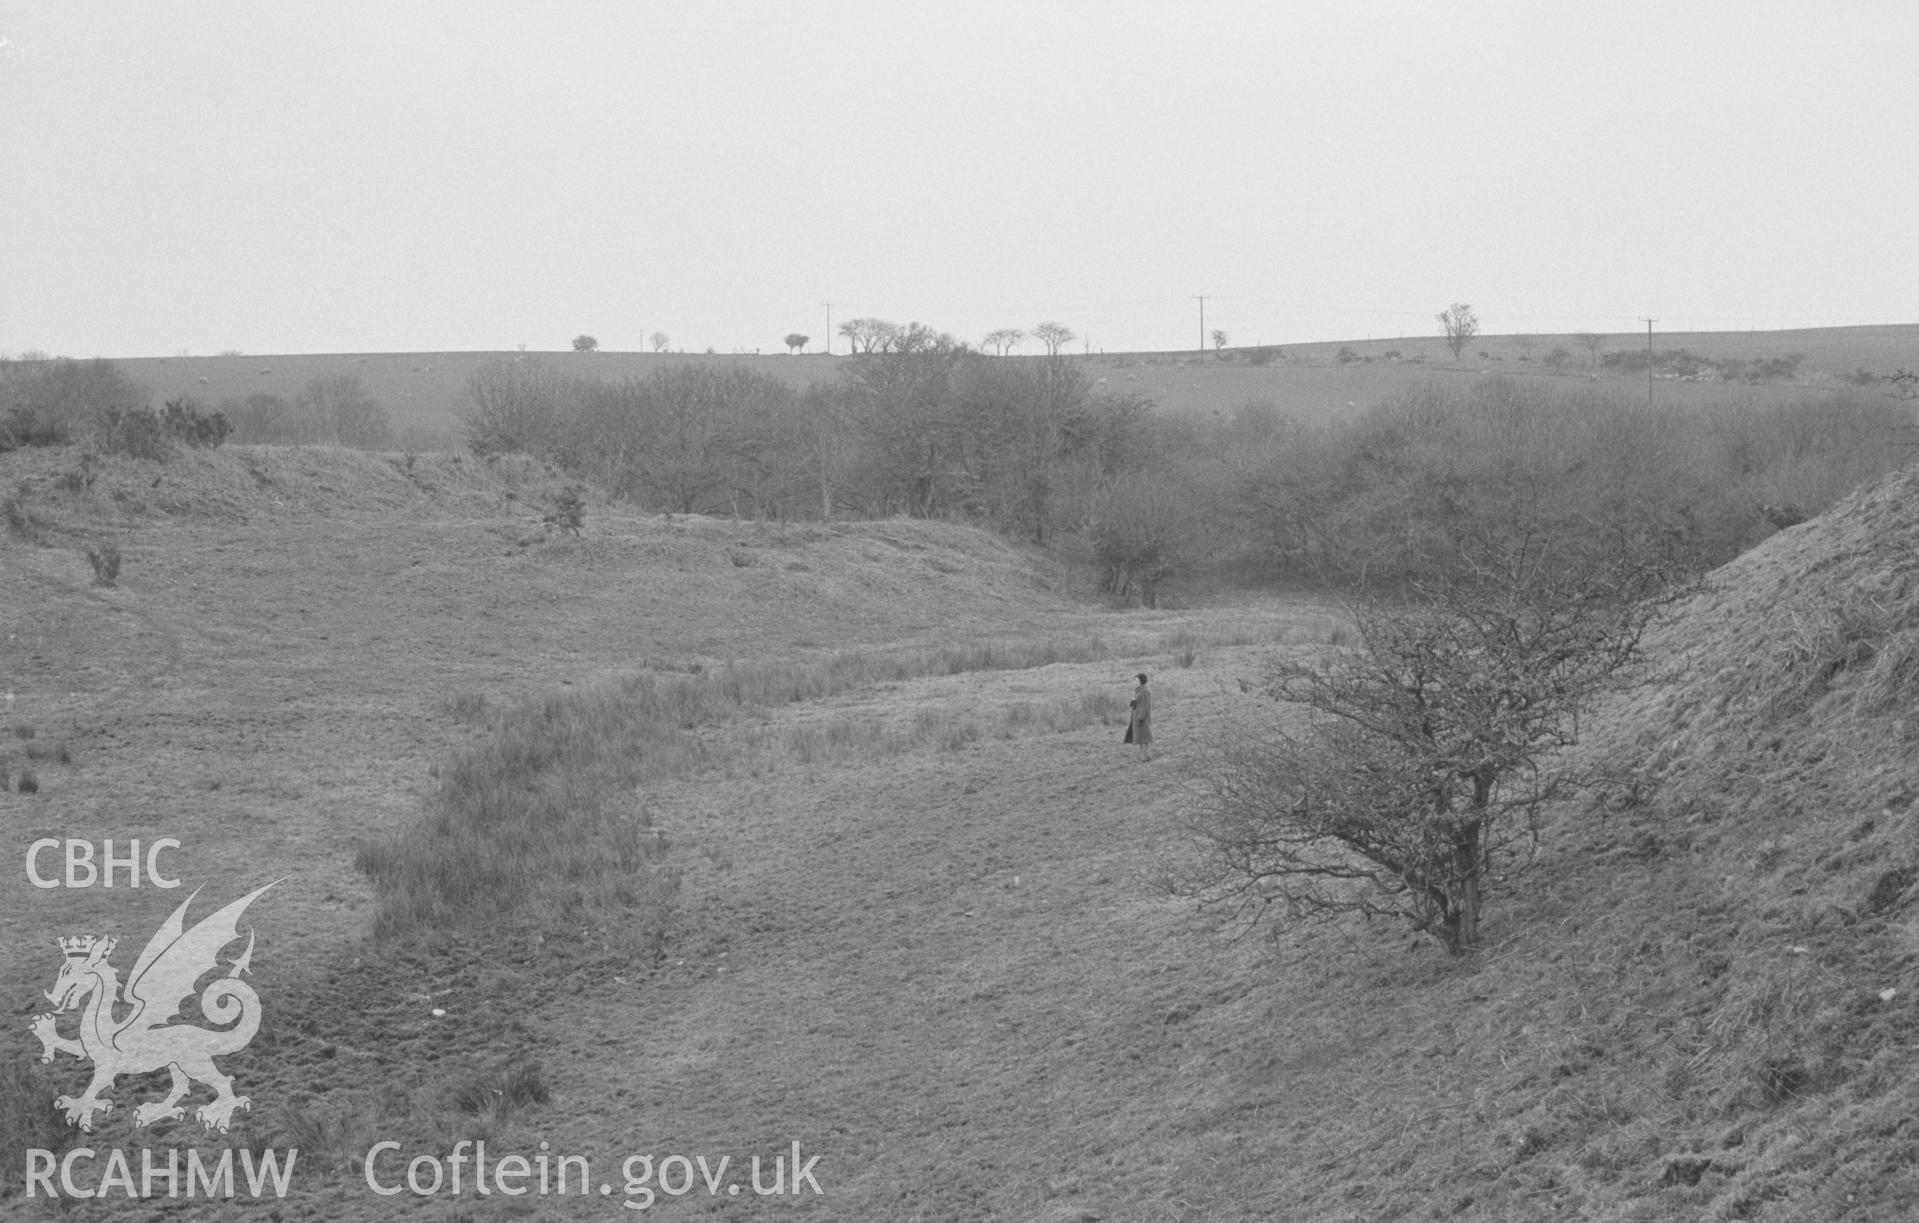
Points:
(544, 821)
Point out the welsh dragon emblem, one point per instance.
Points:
(142, 1040)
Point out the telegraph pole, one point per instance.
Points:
(1649, 322)
(1202, 322)
(829, 329)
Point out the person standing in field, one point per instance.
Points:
(1139, 727)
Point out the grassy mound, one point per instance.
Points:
(1748, 1001)
(238, 484)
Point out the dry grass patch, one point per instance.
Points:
(475, 1106)
(1869, 638)
(1186, 642)
(470, 708)
(27, 1118)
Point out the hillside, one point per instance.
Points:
(295, 636)
(1700, 1004)
(424, 391)
(911, 925)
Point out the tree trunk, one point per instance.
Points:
(1463, 898)
(1462, 923)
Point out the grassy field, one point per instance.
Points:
(425, 390)
(892, 865)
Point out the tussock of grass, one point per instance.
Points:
(334, 1140)
(27, 1118)
(467, 707)
(336, 1137)
(57, 752)
(502, 1092)
(1185, 643)
(1864, 644)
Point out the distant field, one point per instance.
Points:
(421, 390)
(425, 390)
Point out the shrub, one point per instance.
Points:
(338, 410)
(28, 784)
(21, 520)
(136, 433)
(263, 419)
(105, 559)
(142, 433)
(1780, 369)
(568, 512)
(1412, 772)
(186, 422)
(81, 478)
(49, 402)
(23, 426)
(1558, 358)
(1347, 356)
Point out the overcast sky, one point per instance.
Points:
(343, 176)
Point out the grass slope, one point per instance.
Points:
(1700, 1006)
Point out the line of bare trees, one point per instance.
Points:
(872, 335)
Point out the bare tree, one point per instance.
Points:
(706, 438)
(1055, 336)
(1004, 340)
(1219, 340)
(900, 399)
(516, 405)
(1593, 342)
(1405, 776)
(585, 343)
(1142, 531)
(659, 341)
(827, 440)
(795, 341)
(870, 335)
(1459, 324)
(338, 409)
